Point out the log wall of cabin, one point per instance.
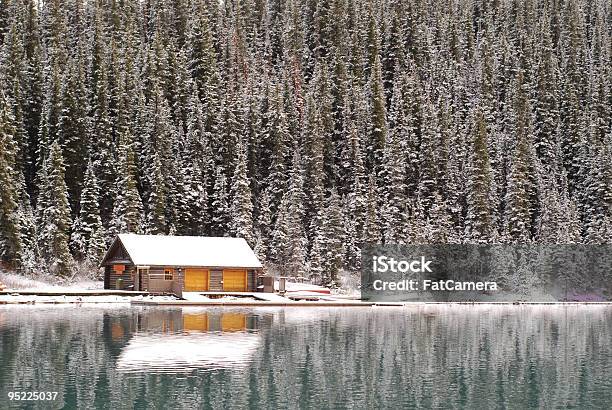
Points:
(251, 281)
(216, 280)
(126, 275)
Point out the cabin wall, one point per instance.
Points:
(216, 280)
(111, 276)
(175, 286)
(251, 281)
(159, 285)
(107, 270)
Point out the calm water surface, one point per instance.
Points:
(473, 357)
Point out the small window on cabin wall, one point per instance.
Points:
(167, 275)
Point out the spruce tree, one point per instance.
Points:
(127, 209)
(479, 220)
(394, 210)
(241, 208)
(88, 225)
(379, 127)
(264, 227)
(289, 241)
(332, 240)
(55, 222)
(156, 201)
(10, 239)
(219, 207)
(520, 189)
(371, 226)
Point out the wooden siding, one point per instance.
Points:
(116, 255)
(177, 285)
(252, 281)
(113, 276)
(216, 276)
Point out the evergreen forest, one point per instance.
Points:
(308, 127)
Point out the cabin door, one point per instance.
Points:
(138, 284)
(235, 280)
(196, 280)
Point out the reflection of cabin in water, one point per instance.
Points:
(174, 264)
(177, 320)
(182, 340)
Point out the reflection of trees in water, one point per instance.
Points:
(472, 356)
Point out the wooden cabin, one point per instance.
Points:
(177, 264)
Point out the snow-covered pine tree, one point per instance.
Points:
(352, 240)
(187, 190)
(546, 105)
(241, 208)
(332, 240)
(128, 214)
(49, 120)
(520, 190)
(102, 146)
(10, 238)
(198, 155)
(321, 124)
(316, 268)
(439, 226)
(219, 206)
(394, 208)
(72, 130)
(54, 222)
(597, 202)
(264, 227)
(88, 222)
(479, 224)
(314, 166)
(429, 160)
(379, 126)
(289, 244)
(12, 54)
(156, 201)
(558, 220)
(27, 225)
(357, 185)
(371, 225)
(275, 150)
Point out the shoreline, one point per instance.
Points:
(128, 300)
(232, 299)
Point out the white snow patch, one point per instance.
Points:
(14, 281)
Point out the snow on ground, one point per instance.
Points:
(16, 298)
(301, 287)
(13, 281)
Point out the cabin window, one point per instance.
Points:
(168, 274)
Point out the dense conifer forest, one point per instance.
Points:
(307, 127)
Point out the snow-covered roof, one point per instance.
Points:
(161, 250)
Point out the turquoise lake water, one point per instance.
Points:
(473, 357)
